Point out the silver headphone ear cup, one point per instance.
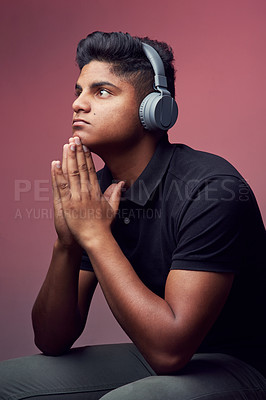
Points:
(168, 112)
(158, 111)
(141, 113)
(146, 111)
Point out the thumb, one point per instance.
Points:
(115, 196)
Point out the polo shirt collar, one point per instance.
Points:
(149, 179)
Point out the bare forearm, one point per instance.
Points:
(145, 317)
(55, 315)
(167, 331)
(148, 319)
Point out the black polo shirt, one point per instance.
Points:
(192, 210)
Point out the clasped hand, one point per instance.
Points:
(82, 213)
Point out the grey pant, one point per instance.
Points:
(119, 372)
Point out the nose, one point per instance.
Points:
(81, 104)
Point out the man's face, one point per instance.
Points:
(106, 110)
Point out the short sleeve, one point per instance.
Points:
(85, 262)
(213, 227)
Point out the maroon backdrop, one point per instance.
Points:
(221, 62)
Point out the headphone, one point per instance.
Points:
(158, 110)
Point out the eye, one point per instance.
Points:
(104, 93)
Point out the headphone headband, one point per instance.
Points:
(157, 65)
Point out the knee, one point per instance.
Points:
(150, 388)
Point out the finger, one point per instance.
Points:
(90, 167)
(82, 166)
(56, 193)
(61, 183)
(115, 197)
(72, 170)
(54, 184)
(64, 161)
(108, 193)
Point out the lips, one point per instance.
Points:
(79, 121)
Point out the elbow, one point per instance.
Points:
(52, 343)
(51, 349)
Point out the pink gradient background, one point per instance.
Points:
(221, 62)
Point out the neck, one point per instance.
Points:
(127, 165)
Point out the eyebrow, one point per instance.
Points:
(97, 84)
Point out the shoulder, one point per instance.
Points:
(204, 186)
(190, 165)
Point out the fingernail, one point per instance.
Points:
(65, 150)
(58, 164)
(72, 147)
(85, 148)
(77, 140)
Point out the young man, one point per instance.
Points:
(173, 236)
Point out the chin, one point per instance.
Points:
(87, 141)
(84, 137)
